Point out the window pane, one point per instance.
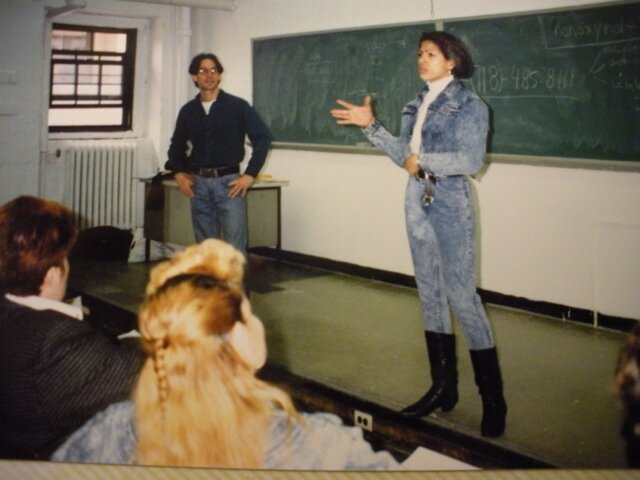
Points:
(90, 69)
(63, 102)
(64, 68)
(111, 90)
(63, 117)
(88, 74)
(84, 90)
(88, 58)
(64, 73)
(70, 40)
(63, 89)
(63, 79)
(110, 42)
(112, 74)
(112, 70)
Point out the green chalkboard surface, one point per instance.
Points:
(563, 84)
(296, 80)
(559, 84)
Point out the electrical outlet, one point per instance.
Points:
(363, 420)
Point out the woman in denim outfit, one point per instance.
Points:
(442, 141)
(198, 402)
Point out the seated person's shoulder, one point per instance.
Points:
(107, 437)
(321, 441)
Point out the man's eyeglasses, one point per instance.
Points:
(204, 71)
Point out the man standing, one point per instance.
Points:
(206, 150)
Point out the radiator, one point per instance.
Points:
(102, 186)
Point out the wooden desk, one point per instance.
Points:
(167, 214)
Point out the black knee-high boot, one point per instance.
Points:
(444, 390)
(489, 381)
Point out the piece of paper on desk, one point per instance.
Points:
(423, 459)
(76, 302)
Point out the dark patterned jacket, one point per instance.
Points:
(55, 373)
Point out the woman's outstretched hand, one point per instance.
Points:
(350, 114)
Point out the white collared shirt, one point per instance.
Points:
(40, 303)
(435, 89)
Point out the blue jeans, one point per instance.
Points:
(442, 242)
(215, 215)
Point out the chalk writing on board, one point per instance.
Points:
(616, 44)
(568, 31)
(617, 67)
(524, 81)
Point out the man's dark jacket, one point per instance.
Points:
(218, 139)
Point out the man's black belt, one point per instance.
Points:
(214, 172)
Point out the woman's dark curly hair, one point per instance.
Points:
(453, 49)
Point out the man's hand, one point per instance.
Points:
(240, 185)
(185, 182)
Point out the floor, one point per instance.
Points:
(364, 339)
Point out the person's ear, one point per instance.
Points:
(50, 287)
(247, 338)
(451, 65)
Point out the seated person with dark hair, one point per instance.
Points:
(56, 371)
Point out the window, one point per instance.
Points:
(92, 73)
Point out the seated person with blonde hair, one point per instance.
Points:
(198, 401)
(56, 371)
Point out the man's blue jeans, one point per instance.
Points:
(442, 242)
(215, 215)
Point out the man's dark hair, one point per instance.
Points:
(194, 66)
(453, 49)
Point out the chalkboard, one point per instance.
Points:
(559, 84)
(296, 80)
(563, 84)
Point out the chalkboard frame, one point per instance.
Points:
(547, 159)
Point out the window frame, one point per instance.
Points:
(147, 24)
(128, 63)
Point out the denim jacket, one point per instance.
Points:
(322, 442)
(454, 135)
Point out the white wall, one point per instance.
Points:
(24, 53)
(21, 95)
(563, 235)
(568, 236)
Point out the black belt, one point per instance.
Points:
(214, 172)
